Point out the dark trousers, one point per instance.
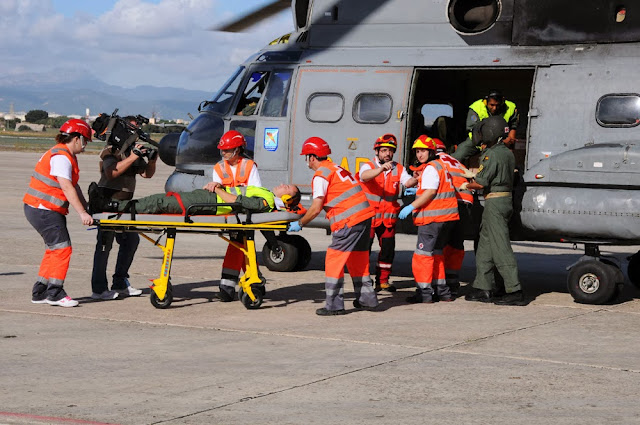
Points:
(128, 245)
(387, 241)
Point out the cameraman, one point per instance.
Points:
(118, 172)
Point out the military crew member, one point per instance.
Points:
(349, 214)
(493, 104)
(495, 178)
(235, 169)
(382, 180)
(434, 211)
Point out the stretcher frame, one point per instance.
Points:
(227, 227)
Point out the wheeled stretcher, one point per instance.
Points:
(228, 227)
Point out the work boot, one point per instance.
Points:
(386, 286)
(359, 306)
(324, 312)
(481, 295)
(417, 299)
(514, 298)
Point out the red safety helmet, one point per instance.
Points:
(439, 144)
(231, 139)
(388, 140)
(315, 146)
(75, 125)
(424, 142)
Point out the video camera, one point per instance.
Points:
(123, 135)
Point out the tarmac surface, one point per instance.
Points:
(206, 362)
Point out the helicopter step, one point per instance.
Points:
(594, 278)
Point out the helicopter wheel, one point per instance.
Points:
(593, 282)
(280, 260)
(164, 303)
(304, 250)
(633, 269)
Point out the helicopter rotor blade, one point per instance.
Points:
(254, 17)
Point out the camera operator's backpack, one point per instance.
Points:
(114, 131)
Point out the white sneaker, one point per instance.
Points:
(106, 295)
(63, 302)
(129, 291)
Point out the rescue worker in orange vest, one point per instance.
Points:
(454, 250)
(435, 209)
(53, 187)
(382, 180)
(349, 214)
(234, 169)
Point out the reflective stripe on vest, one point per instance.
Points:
(382, 193)
(243, 171)
(444, 206)
(480, 108)
(452, 165)
(249, 191)
(345, 202)
(44, 189)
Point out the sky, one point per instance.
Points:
(128, 43)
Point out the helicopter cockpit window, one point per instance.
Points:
(325, 107)
(253, 92)
(275, 99)
(224, 97)
(618, 110)
(372, 108)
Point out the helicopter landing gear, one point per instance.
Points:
(594, 279)
(633, 269)
(286, 253)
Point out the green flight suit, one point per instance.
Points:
(255, 199)
(494, 247)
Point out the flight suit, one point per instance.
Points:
(494, 247)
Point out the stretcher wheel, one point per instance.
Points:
(255, 288)
(304, 250)
(246, 300)
(280, 261)
(166, 302)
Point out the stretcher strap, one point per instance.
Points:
(179, 199)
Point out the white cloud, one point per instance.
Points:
(135, 43)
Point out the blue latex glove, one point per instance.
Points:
(410, 191)
(404, 213)
(294, 226)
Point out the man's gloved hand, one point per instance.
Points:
(463, 186)
(294, 226)
(404, 213)
(410, 191)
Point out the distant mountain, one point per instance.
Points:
(67, 93)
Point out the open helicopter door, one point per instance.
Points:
(262, 116)
(349, 107)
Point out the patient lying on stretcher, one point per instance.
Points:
(250, 198)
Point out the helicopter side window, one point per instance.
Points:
(618, 110)
(372, 108)
(253, 92)
(325, 107)
(275, 99)
(222, 99)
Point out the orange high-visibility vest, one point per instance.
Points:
(345, 201)
(243, 170)
(453, 167)
(444, 206)
(382, 193)
(44, 189)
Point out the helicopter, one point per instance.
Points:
(351, 71)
